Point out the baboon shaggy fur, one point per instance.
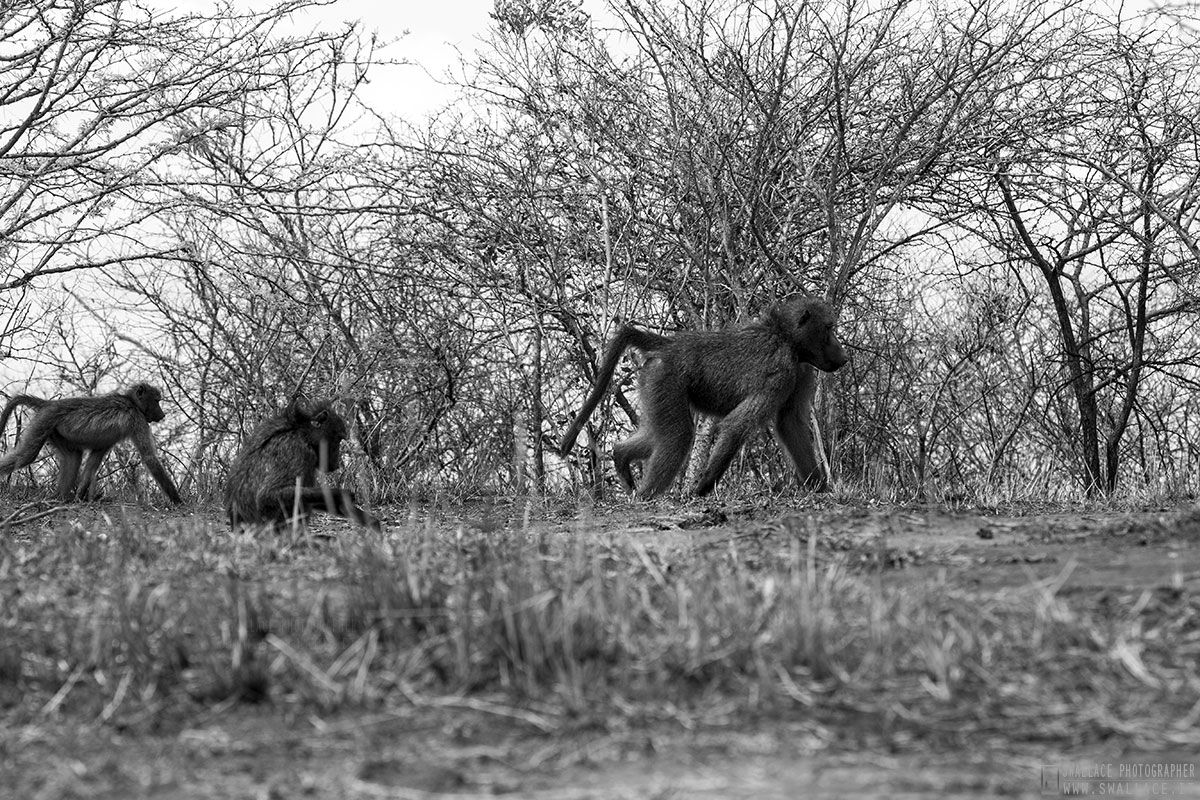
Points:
(94, 424)
(746, 378)
(288, 449)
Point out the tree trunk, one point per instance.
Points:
(1079, 368)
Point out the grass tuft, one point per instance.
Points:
(124, 619)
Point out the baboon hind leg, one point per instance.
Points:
(665, 461)
(68, 472)
(661, 458)
(87, 482)
(27, 449)
(668, 429)
(636, 448)
(733, 431)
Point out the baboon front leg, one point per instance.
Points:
(798, 434)
(342, 503)
(143, 440)
(164, 480)
(339, 502)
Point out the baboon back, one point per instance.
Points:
(275, 473)
(748, 378)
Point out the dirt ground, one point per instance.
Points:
(473, 749)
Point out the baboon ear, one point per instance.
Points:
(320, 418)
(296, 408)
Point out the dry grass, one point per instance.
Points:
(128, 621)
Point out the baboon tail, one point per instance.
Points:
(18, 400)
(627, 336)
(643, 340)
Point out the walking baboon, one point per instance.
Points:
(759, 374)
(96, 424)
(286, 450)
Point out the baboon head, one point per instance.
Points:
(322, 427)
(809, 325)
(147, 398)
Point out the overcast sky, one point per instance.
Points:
(435, 28)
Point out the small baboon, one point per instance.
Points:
(77, 424)
(274, 477)
(746, 378)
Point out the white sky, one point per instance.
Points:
(435, 28)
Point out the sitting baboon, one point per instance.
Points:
(77, 424)
(747, 378)
(274, 477)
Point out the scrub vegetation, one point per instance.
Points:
(999, 200)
